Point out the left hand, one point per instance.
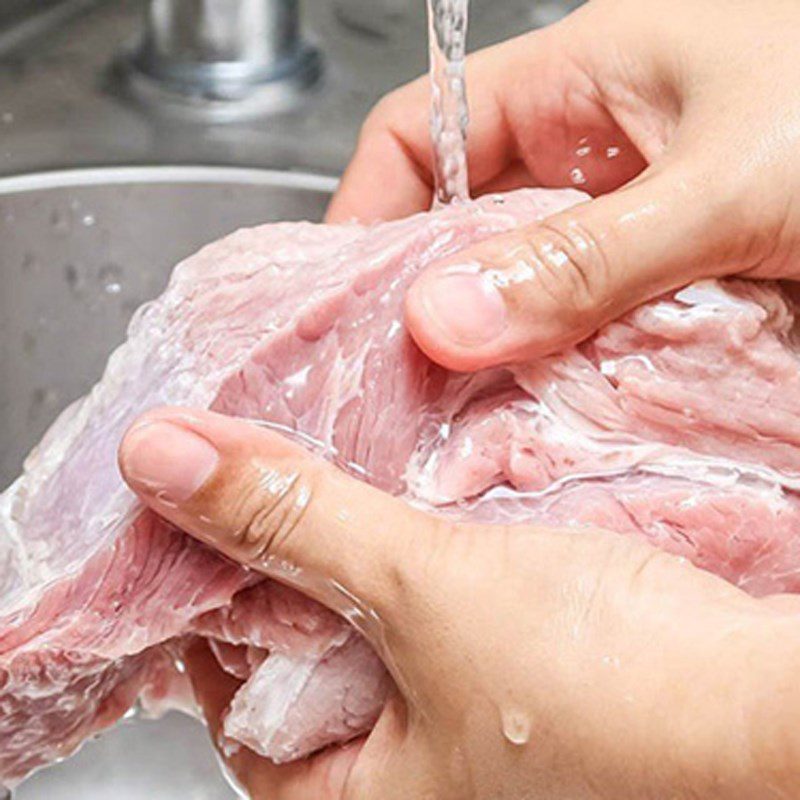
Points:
(529, 662)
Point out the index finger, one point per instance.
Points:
(534, 117)
(390, 175)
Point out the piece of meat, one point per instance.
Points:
(679, 423)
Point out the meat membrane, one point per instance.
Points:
(679, 423)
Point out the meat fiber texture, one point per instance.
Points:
(679, 423)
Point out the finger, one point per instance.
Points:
(542, 287)
(534, 120)
(267, 502)
(385, 180)
(323, 776)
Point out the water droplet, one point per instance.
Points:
(577, 176)
(582, 152)
(612, 152)
(516, 726)
(110, 276)
(88, 220)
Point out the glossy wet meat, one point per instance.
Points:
(679, 423)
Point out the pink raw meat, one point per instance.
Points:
(680, 423)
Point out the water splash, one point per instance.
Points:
(577, 176)
(447, 23)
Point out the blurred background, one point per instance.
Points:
(272, 83)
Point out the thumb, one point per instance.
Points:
(267, 503)
(540, 288)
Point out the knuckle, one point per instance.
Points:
(572, 266)
(268, 513)
(383, 112)
(417, 571)
(751, 226)
(719, 200)
(736, 228)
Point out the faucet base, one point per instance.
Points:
(222, 91)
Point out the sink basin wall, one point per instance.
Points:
(81, 250)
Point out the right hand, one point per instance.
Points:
(529, 662)
(682, 116)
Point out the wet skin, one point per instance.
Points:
(529, 662)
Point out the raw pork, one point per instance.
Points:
(679, 423)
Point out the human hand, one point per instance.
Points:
(528, 662)
(683, 114)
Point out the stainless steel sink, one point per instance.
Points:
(79, 251)
(62, 106)
(170, 759)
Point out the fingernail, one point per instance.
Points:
(167, 461)
(466, 306)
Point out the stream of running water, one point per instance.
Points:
(447, 23)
